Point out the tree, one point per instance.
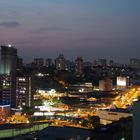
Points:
(38, 102)
(27, 110)
(84, 123)
(94, 120)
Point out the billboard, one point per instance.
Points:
(122, 81)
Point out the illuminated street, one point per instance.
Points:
(124, 100)
(70, 70)
(60, 114)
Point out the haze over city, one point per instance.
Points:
(70, 69)
(89, 28)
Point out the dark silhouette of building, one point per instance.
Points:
(49, 62)
(79, 65)
(38, 62)
(19, 63)
(60, 62)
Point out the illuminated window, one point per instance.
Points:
(21, 79)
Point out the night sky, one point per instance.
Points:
(89, 28)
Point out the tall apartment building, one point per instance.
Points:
(8, 75)
(19, 63)
(8, 60)
(60, 62)
(23, 91)
(49, 62)
(79, 65)
(38, 62)
(5, 90)
(135, 63)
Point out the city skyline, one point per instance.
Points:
(91, 29)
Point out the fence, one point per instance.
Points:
(6, 133)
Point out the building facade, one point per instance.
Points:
(5, 90)
(38, 62)
(23, 91)
(60, 62)
(122, 82)
(102, 62)
(49, 62)
(105, 85)
(8, 75)
(79, 65)
(135, 63)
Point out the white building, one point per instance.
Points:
(112, 115)
(122, 82)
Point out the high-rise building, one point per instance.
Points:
(79, 65)
(111, 63)
(5, 90)
(38, 62)
(8, 75)
(19, 63)
(69, 65)
(49, 62)
(102, 62)
(23, 91)
(135, 63)
(105, 85)
(8, 60)
(60, 62)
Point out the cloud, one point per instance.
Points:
(10, 24)
(44, 29)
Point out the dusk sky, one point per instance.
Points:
(89, 28)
